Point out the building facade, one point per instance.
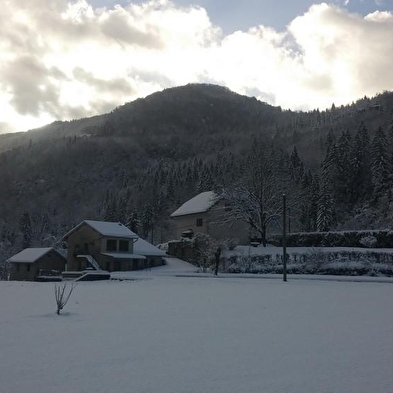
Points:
(37, 264)
(205, 213)
(109, 246)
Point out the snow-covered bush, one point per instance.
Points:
(383, 239)
(368, 241)
(316, 261)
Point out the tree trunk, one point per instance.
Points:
(217, 255)
(264, 242)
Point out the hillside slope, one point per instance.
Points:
(166, 147)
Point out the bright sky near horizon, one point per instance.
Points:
(63, 59)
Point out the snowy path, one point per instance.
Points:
(172, 267)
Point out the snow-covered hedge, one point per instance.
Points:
(350, 263)
(371, 238)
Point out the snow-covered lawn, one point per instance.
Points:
(172, 334)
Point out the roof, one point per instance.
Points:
(199, 204)
(31, 255)
(123, 255)
(109, 229)
(142, 247)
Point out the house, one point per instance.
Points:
(107, 246)
(37, 264)
(204, 213)
(153, 254)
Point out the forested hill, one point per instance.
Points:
(137, 163)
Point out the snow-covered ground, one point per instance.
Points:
(191, 334)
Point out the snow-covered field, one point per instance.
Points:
(172, 334)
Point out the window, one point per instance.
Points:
(17, 267)
(86, 247)
(28, 267)
(199, 222)
(111, 245)
(123, 245)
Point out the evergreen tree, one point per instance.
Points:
(360, 175)
(309, 207)
(26, 230)
(205, 183)
(121, 211)
(380, 163)
(390, 141)
(329, 165)
(44, 228)
(110, 208)
(314, 199)
(133, 222)
(325, 207)
(296, 166)
(343, 169)
(147, 219)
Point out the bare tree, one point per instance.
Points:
(62, 296)
(257, 198)
(209, 251)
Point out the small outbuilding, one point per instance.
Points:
(37, 264)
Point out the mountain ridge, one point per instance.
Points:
(167, 146)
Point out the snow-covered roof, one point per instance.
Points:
(142, 247)
(123, 255)
(30, 255)
(110, 229)
(199, 204)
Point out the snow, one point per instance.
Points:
(172, 334)
(272, 250)
(29, 255)
(123, 255)
(110, 229)
(199, 204)
(143, 247)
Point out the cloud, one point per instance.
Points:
(351, 53)
(61, 60)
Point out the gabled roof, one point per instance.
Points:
(109, 229)
(142, 247)
(31, 255)
(199, 204)
(123, 255)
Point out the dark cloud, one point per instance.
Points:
(115, 86)
(28, 81)
(119, 26)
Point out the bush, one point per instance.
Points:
(317, 261)
(368, 241)
(383, 239)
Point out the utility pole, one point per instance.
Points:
(289, 220)
(284, 237)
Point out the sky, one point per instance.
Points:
(63, 60)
